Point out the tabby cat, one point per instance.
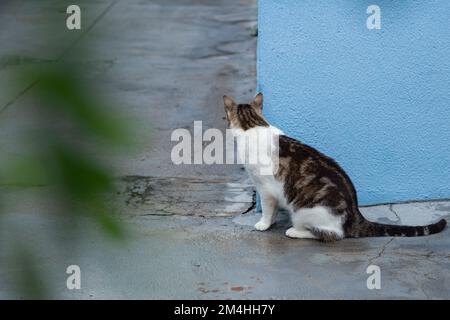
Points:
(316, 191)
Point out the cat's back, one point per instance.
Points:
(300, 152)
(304, 166)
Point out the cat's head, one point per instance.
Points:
(245, 116)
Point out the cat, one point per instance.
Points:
(318, 194)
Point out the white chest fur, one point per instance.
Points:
(258, 151)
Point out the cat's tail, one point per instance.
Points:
(373, 229)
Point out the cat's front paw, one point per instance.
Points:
(262, 225)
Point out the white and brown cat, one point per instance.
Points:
(315, 190)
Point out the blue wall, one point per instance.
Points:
(378, 101)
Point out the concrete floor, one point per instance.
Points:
(169, 63)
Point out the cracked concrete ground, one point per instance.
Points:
(169, 63)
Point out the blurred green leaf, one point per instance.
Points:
(25, 172)
(86, 182)
(104, 216)
(59, 87)
(60, 93)
(29, 280)
(80, 176)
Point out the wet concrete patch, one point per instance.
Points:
(201, 197)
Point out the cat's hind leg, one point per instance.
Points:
(320, 222)
(326, 235)
(269, 211)
(300, 233)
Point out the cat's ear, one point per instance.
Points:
(228, 103)
(258, 102)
